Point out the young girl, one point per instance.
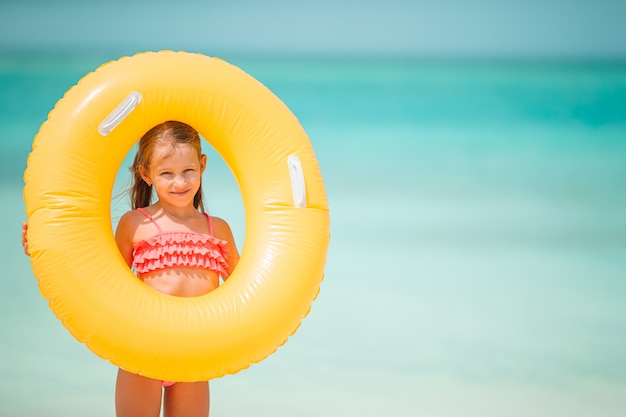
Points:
(169, 163)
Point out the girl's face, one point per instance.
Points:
(175, 174)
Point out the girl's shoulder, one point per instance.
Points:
(133, 220)
(126, 231)
(221, 228)
(218, 220)
(132, 217)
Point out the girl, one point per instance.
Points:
(169, 163)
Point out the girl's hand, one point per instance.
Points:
(24, 239)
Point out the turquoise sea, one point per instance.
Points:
(477, 264)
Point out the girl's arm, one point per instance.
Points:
(221, 229)
(124, 236)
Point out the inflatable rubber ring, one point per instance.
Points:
(68, 187)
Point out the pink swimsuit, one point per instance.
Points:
(180, 250)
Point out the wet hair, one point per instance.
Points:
(171, 133)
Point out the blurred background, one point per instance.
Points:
(474, 155)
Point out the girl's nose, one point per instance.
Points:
(180, 180)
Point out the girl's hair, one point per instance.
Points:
(172, 133)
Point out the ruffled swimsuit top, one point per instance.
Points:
(180, 250)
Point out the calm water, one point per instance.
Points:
(478, 252)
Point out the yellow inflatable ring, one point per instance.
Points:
(69, 183)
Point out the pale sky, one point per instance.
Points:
(543, 28)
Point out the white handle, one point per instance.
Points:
(298, 187)
(119, 113)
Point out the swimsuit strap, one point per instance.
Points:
(145, 213)
(210, 223)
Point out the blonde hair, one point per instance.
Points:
(173, 133)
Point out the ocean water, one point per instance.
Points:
(477, 264)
